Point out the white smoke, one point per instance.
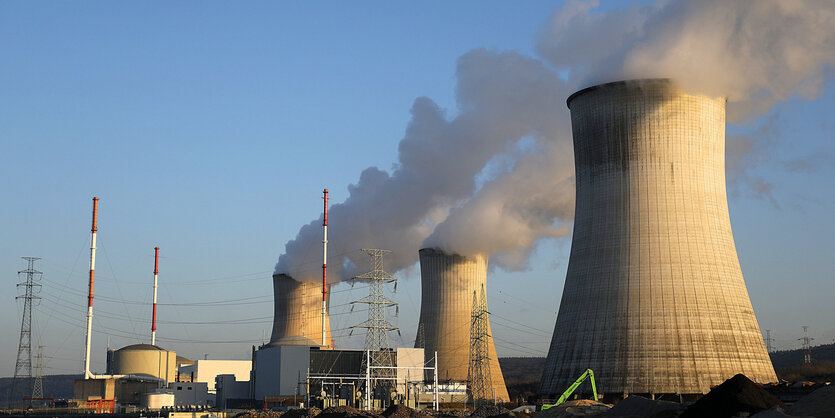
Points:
(756, 53)
(498, 177)
(502, 98)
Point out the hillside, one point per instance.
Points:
(57, 386)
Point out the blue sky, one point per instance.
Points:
(210, 129)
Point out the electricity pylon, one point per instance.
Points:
(23, 366)
(481, 383)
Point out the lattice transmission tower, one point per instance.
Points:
(37, 389)
(481, 382)
(23, 366)
(377, 326)
(807, 347)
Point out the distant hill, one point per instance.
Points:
(793, 358)
(57, 386)
(522, 369)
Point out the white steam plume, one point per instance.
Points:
(756, 53)
(502, 97)
(446, 192)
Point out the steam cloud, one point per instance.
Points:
(498, 177)
(756, 53)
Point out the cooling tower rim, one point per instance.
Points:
(617, 84)
(437, 252)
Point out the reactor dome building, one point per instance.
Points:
(448, 283)
(654, 300)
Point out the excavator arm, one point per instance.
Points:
(588, 374)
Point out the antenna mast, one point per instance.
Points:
(154, 317)
(87, 374)
(324, 268)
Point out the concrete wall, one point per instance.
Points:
(228, 387)
(207, 370)
(278, 369)
(190, 393)
(654, 300)
(409, 357)
(447, 286)
(297, 316)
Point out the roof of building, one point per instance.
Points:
(143, 347)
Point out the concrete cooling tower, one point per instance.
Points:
(448, 283)
(298, 313)
(654, 301)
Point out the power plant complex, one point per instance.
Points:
(654, 301)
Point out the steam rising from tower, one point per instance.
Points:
(654, 300)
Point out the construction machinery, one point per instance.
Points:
(588, 374)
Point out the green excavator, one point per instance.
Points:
(588, 374)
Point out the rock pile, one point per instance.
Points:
(819, 404)
(735, 395)
(637, 406)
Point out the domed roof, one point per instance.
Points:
(141, 347)
(184, 361)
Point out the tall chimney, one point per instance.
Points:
(88, 334)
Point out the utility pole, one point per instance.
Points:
(23, 366)
(807, 348)
(376, 338)
(481, 382)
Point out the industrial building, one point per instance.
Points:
(206, 371)
(448, 285)
(296, 374)
(654, 300)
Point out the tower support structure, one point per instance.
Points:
(37, 388)
(481, 383)
(22, 380)
(807, 346)
(377, 326)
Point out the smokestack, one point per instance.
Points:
(448, 283)
(154, 315)
(654, 300)
(324, 267)
(93, 230)
(297, 319)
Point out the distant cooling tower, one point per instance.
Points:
(447, 286)
(298, 313)
(654, 301)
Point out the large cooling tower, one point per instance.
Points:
(298, 313)
(654, 301)
(448, 283)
